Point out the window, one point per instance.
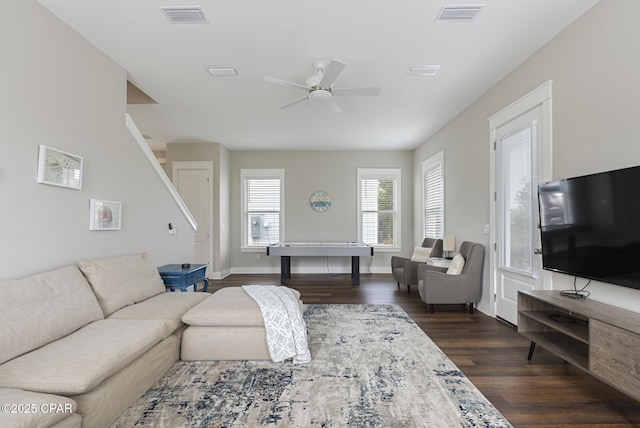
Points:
(262, 207)
(516, 195)
(433, 196)
(379, 207)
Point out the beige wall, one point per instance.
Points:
(596, 109)
(59, 90)
(305, 172)
(219, 155)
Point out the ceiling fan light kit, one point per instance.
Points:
(319, 87)
(320, 95)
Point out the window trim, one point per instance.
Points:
(257, 173)
(382, 173)
(437, 159)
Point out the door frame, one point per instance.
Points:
(209, 166)
(541, 96)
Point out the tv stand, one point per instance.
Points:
(600, 339)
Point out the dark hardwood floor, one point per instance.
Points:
(546, 392)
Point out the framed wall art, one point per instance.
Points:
(59, 168)
(105, 215)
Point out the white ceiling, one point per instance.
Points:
(378, 40)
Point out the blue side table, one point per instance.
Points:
(176, 277)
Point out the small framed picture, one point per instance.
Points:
(105, 215)
(59, 168)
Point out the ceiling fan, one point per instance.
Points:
(320, 88)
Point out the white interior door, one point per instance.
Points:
(517, 267)
(193, 180)
(521, 159)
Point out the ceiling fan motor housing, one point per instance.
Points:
(314, 81)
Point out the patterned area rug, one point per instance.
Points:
(372, 366)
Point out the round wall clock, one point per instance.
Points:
(320, 201)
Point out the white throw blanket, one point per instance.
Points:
(286, 329)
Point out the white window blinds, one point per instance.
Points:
(262, 195)
(379, 206)
(433, 189)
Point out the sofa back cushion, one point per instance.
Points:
(122, 281)
(43, 308)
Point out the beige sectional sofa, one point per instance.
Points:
(79, 344)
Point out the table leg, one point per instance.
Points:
(285, 269)
(532, 348)
(206, 284)
(355, 269)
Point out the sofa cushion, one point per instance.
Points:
(169, 306)
(42, 308)
(122, 281)
(229, 306)
(79, 362)
(33, 409)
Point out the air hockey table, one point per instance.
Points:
(286, 250)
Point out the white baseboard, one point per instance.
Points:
(306, 270)
(254, 270)
(220, 275)
(377, 269)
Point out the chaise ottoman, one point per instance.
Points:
(227, 325)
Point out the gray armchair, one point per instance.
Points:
(405, 271)
(437, 287)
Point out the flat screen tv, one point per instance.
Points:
(590, 226)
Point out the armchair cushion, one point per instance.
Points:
(456, 266)
(421, 254)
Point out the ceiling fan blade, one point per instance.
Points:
(356, 91)
(333, 106)
(331, 73)
(294, 102)
(285, 83)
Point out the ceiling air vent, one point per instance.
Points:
(459, 13)
(185, 15)
(423, 70)
(218, 71)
